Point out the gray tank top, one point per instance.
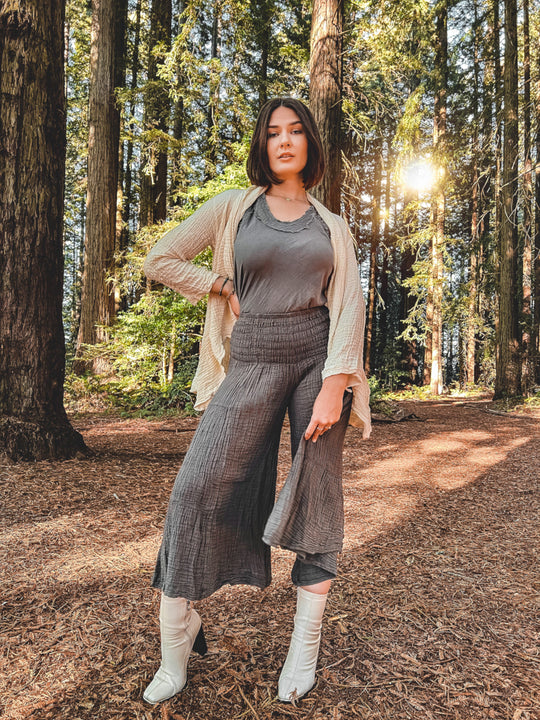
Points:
(281, 266)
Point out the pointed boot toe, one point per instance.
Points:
(292, 688)
(163, 686)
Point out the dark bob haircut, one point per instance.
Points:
(258, 167)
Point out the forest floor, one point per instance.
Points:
(434, 614)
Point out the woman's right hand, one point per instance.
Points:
(224, 287)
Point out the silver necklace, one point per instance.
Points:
(284, 197)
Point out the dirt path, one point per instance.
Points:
(434, 614)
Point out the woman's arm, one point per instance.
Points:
(169, 261)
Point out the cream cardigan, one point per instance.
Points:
(215, 224)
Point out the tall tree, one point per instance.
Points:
(536, 267)
(98, 302)
(526, 254)
(33, 422)
(153, 199)
(508, 364)
(325, 90)
(121, 13)
(470, 363)
(434, 366)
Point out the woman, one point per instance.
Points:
(284, 274)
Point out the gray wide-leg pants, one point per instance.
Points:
(222, 503)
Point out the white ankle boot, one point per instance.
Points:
(298, 674)
(181, 630)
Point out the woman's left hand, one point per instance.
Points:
(327, 407)
(234, 304)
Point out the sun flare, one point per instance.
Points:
(419, 176)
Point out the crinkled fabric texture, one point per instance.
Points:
(222, 503)
(281, 266)
(215, 224)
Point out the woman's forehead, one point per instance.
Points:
(283, 116)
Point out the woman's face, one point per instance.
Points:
(287, 144)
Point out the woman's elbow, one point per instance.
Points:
(149, 266)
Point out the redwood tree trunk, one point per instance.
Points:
(33, 422)
(439, 203)
(98, 301)
(508, 365)
(498, 149)
(325, 93)
(526, 369)
(536, 264)
(128, 187)
(470, 362)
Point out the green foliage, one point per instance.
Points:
(151, 352)
(143, 338)
(233, 176)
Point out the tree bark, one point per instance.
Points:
(470, 361)
(33, 422)
(325, 92)
(128, 175)
(498, 146)
(508, 362)
(98, 301)
(526, 369)
(536, 268)
(439, 203)
(121, 236)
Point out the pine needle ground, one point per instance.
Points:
(434, 614)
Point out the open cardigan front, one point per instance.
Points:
(215, 224)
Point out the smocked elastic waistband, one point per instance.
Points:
(305, 313)
(281, 337)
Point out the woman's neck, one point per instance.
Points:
(290, 189)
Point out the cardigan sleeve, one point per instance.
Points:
(169, 261)
(346, 346)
